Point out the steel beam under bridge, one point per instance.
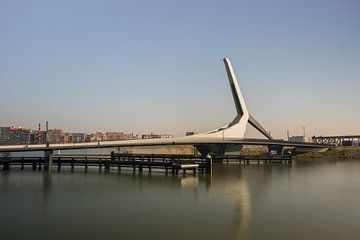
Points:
(335, 140)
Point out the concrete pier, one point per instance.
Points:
(48, 160)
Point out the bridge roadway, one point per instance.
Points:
(163, 142)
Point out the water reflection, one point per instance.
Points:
(226, 196)
(236, 202)
(189, 181)
(4, 181)
(234, 188)
(234, 185)
(242, 210)
(46, 185)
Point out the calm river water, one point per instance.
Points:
(306, 200)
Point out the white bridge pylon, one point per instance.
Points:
(237, 127)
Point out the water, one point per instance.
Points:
(308, 200)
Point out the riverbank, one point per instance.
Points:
(336, 152)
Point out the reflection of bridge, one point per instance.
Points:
(336, 140)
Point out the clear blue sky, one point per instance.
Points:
(156, 66)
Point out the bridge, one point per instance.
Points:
(336, 140)
(228, 138)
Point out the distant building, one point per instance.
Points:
(14, 135)
(4, 135)
(88, 137)
(95, 137)
(19, 135)
(38, 137)
(55, 136)
(66, 138)
(109, 136)
(300, 139)
(152, 135)
(100, 136)
(78, 137)
(114, 136)
(130, 136)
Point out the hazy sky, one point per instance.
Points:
(156, 66)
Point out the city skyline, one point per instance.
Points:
(11, 135)
(146, 68)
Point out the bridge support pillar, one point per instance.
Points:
(48, 160)
(6, 158)
(107, 165)
(208, 163)
(6, 166)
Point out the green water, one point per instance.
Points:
(306, 200)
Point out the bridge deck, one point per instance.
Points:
(161, 142)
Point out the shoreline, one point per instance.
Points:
(336, 152)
